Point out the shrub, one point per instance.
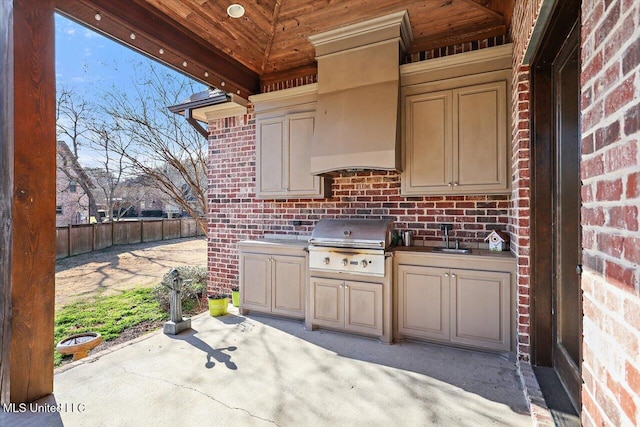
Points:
(194, 285)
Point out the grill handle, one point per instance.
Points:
(348, 244)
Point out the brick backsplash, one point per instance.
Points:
(377, 195)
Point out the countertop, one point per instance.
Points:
(303, 243)
(292, 243)
(474, 252)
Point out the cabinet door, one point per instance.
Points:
(299, 178)
(287, 285)
(428, 143)
(270, 157)
(480, 138)
(480, 314)
(363, 307)
(327, 302)
(255, 282)
(423, 302)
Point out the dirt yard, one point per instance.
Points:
(123, 267)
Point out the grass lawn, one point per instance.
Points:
(110, 316)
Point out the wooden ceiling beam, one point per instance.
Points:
(274, 23)
(154, 31)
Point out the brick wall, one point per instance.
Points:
(611, 200)
(235, 214)
(610, 196)
(524, 17)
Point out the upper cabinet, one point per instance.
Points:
(455, 129)
(284, 128)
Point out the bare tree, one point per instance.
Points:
(110, 143)
(163, 146)
(72, 119)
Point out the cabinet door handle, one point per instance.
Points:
(453, 275)
(455, 184)
(446, 274)
(449, 184)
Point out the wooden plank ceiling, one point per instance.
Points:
(269, 43)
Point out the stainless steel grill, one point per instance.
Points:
(355, 246)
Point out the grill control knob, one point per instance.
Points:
(327, 260)
(345, 262)
(364, 263)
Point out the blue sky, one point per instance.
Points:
(89, 63)
(85, 58)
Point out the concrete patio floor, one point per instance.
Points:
(262, 371)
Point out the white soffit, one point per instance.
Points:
(236, 107)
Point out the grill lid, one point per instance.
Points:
(353, 233)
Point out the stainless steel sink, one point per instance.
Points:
(452, 250)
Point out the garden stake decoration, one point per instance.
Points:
(177, 324)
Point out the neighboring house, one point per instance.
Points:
(146, 199)
(132, 198)
(72, 203)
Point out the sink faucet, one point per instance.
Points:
(446, 228)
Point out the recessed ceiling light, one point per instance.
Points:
(206, 74)
(184, 64)
(235, 10)
(132, 36)
(98, 17)
(161, 51)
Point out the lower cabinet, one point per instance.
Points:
(347, 305)
(480, 309)
(423, 302)
(272, 284)
(461, 306)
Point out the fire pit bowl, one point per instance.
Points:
(79, 345)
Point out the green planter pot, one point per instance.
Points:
(218, 307)
(235, 298)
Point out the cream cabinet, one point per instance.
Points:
(454, 299)
(273, 282)
(423, 302)
(455, 124)
(456, 141)
(347, 305)
(285, 123)
(480, 308)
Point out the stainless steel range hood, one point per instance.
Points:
(357, 114)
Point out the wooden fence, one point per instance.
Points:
(83, 238)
